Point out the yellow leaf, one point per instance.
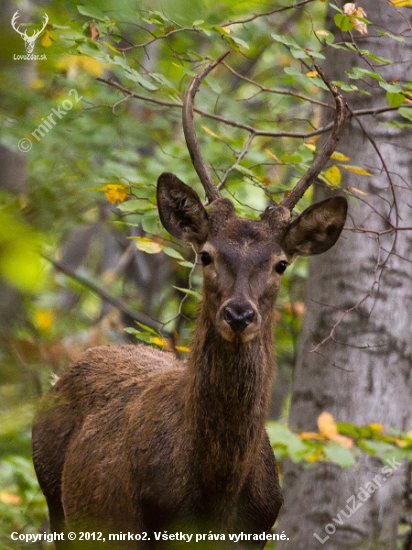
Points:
(46, 39)
(272, 155)
(333, 176)
(339, 156)
(311, 435)
(183, 348)
(10, 498)
(115, 50)
(400, 3)
(356, 170)
(322, 32)
(92, 66)
(344, 441)
(400, 442)
(327, 425)
(314, 457)
(146, 245)
(359, 192)
(210, 132)
(37, 84)
(312, 74)
(158, 341)
(115, 192)
(44, 319)
(310, 146)
(72, 63)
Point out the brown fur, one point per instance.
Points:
(131, 439)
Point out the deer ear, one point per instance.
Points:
(316, 229)
(180, 210)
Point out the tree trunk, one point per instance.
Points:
(362, 372)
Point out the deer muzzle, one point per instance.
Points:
(238, 319)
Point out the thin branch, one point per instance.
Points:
(156, 38)
(340, 118)
(278, 92)
(240, 156)
(338, 322)
(241, 126)
(267, 14)
(116, 302)
(218, 118)
(189, 131)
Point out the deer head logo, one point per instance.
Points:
(29, 41)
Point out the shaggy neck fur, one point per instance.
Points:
(227, 402)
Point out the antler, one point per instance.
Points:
(340, 117)
(13, 24)
(211, 190)
(24, 34)
(46, 20)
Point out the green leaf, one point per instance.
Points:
(378, 59)
(405, 112)
(291, 158)
(390, 35)
(172, 252)
(146, 245)
(392, 88)
(143, 336)
(190, 265)
(339, 455)
(150, 221)
(135, 205)
(91, 11)
(343, 22)
(286, 40)
(281, 437)
(359, 72)
(395, 100)
(189, 292)
(298, 53)
(240, 42)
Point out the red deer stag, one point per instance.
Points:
(130, 439)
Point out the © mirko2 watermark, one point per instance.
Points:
(47, 124)
(356, 501)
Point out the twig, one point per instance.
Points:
(330, 335)
(116, 302)
(266, 14)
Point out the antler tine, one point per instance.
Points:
(45, 21)
(211, 190)
(13, 23)
(340, 117)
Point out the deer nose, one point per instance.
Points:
(238, 316)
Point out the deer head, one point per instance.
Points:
(243, 259)
(29, 41)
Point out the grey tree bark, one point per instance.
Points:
(362, 372)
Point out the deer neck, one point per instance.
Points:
(228, 396)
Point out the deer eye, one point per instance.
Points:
(281, 266)
(205, 258)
